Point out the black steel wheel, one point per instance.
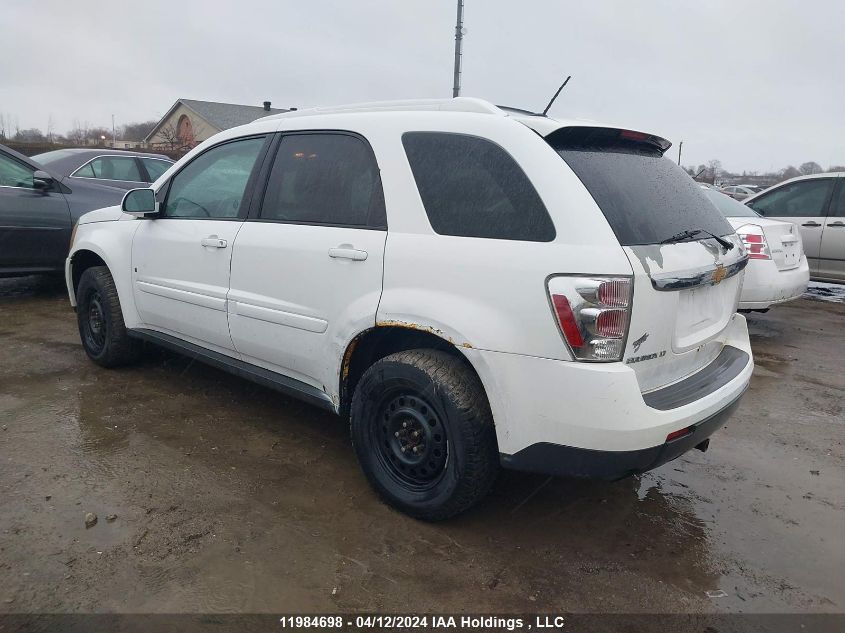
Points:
(423, 433)
(100, 320)
(411, 439)
(93, 322)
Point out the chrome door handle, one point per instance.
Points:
(837, 224)
(811, 224)
(345, 252)
(214, 242)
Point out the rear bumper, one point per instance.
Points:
(591, 419)
(568, 461)
(764, 285)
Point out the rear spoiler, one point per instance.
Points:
(608, 139)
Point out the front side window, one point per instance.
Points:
(14, 174)
(111, 168)
(213, 184)
(471, 187)
(328, 179)
(803, 199)
(155, 167)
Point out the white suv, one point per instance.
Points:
(472, 286)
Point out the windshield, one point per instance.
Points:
(646, 198)
(729, 207)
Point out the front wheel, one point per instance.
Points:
(100, 319)
(423, 433)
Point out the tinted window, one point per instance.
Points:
(729, 207)
(111, 168)
(213, 184)
(86, 171)
(804, 199)
(14, 174)
(324, 179)
(646, 198)
(471, 187)
(155, 167)
(838, 210)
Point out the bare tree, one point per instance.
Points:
(810, 168)
(788, 172)
(31, 135)
(137, 131)
(171, 139)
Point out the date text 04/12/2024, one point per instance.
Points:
(422, 622)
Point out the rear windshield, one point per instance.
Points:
(646, 198)
(51, 157)
(729, 207)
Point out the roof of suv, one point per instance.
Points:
(543, 125)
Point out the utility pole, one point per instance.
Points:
(459, 36)
(680, 146)
(113, 137)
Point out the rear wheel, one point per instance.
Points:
(101, 327)
(423, 433)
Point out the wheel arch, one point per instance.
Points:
(373, 344)
(80, 261)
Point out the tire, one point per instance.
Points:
(101, 327)
(432, 405)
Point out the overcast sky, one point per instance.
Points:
(756, 84)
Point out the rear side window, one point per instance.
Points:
(330, 179)
(111, 168)
(471, 187)
(646, 198)
(155, 167)
(803, 198)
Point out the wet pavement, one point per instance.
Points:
(232, 498)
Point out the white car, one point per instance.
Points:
(816, 204)
(739, 192)
(778, 270)
(472, 287)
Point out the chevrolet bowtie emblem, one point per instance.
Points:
(719, 274)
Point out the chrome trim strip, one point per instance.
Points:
(709, 276)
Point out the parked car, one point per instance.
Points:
(455, 278)
(739, 192)
(116, 168)
(817, 205)
(37, 211)
(778, 270)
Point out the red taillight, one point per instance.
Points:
(611, 323)
(615, 294)
(754, 241)
(592, 313)
(674, 435)
(634, 136)
(567, 321)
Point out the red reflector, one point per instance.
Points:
(567, 321)
(752, 239)
(611, 323)
(674, 435)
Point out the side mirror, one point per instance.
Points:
(42, 181)
(140, 203)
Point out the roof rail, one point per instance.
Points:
(458, 104)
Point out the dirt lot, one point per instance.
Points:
(230, 498)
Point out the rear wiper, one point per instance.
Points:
(685, 235)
